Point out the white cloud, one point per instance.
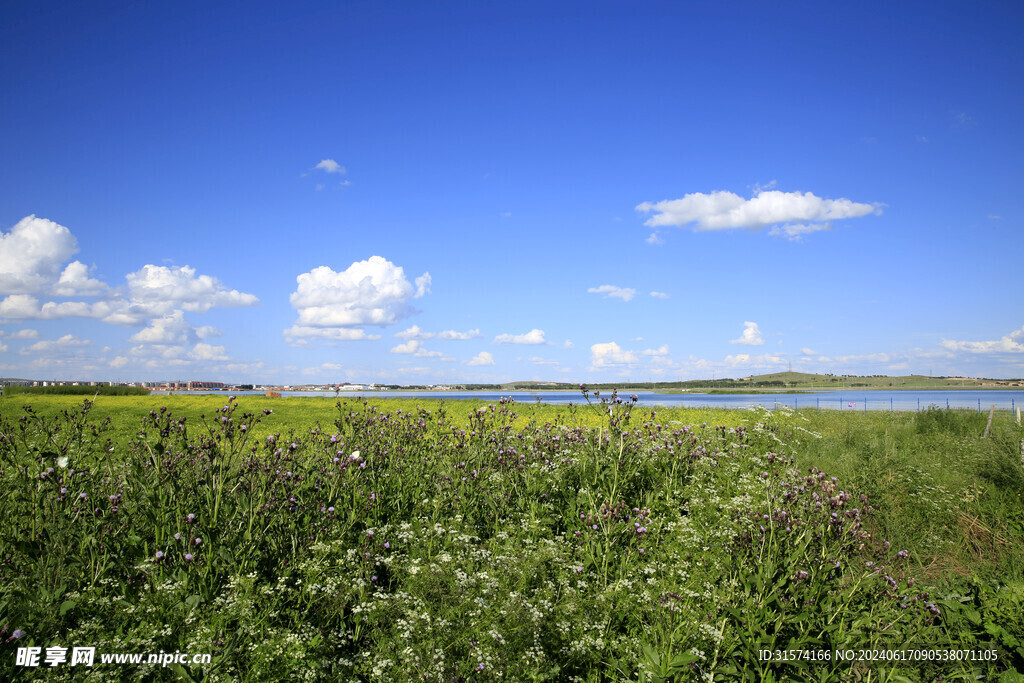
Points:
(331, 166)
(745, 360)
(415, 332)
(3, 347)
(19, 306)
(482, 358)
(452, 335)
(795, 232)
(410, 346)
(654, 238)
(68, 341)
(537, 360)
(21, 334)
(299, 332)
(75, 281)
(534, 336)
(32, 253)
(808, 352)
(204, 352)
(660, 351)
(567, 344)
(610, 355)
(371, 292)
(659, 295)
(160, 289)
(119, 362)
(751, 335)
(613, 292)
(1010, 343)
(723, 210)
(422, 286)
(170, 329)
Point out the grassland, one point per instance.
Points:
(406, 539)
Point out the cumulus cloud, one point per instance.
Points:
(659, 295)
(482, 358)
(68, 341)
(422, 285)
(415, 332)
(21, 334)
(462, 336)
(75, 281)
(745, 360)
(160, 289)
(409, 347)
(169, 329)
(119, 362)
(654, 238)
(206, 352)
(800, 212)
(32, 254)
(808, 351)
(795, 233)
(534, 336)
(371, 292)
(299, 332)
(613, 292)
(610, 355)
(1010, 343)
(660, 351)
(331, 166)
(751, 335)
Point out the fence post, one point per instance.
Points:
(865, 405)
(991, 413)
(919, 405)
(890, 404)
(979, 405)
(817, 404)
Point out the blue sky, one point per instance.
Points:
(453, 192)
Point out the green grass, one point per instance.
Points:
(403, 539)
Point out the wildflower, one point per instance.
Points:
(63, 490)
(18, 634)
(903, 554)
(188, 557)
(198, 541)
(190, 518)
(83, 496)
(369, 532)
(801, 575)
(159, 555)
(386, 545)
(331, 509)
(177, 537)
(373, 578)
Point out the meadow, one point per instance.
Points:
(402, 539)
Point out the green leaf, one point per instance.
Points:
(66, 606)
(682, 660)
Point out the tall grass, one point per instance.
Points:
(462, 542)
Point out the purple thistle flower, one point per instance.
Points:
(331, 509)
(177, 537)
(83, 496)
(190, 518)
(188, 557)
(18, 634)
(159, 555)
